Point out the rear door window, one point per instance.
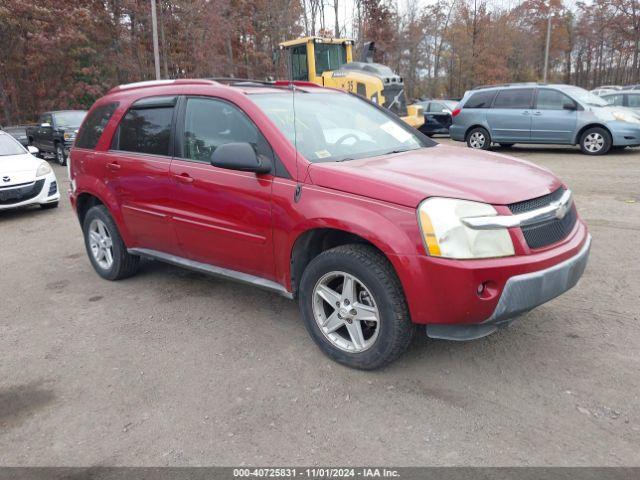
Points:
(94, 125)
(616, 100)
(145, 130)
(633, 100)
(514, 98)
(480, 99)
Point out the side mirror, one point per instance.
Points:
(570, 106)
(33, 150)
(239, 156)
(45, 125)
(447, 111)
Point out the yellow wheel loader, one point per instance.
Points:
(329, 62)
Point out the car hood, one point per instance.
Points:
(407, 178)
(608, 113)
(18, 168)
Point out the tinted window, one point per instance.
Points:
(46, 118)
(480, 99)
(435, 107)
(299, 63)
(329, 57)
(616, 99)
(551, 100)
(514, 98)
(145, 131)
(71, 119)
(634, 100)
(210, 123)
(94, 125)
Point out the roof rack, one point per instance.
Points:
(516, 84)
(157, 83)
(241, 81)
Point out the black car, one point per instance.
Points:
(19, 132)
(56, 132)
(437, 116)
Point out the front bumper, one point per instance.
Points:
(50, 193)
(521, 293)
(624, 134)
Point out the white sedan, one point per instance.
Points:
(25, 179)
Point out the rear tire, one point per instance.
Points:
(479, 139)
(106, 250)
(376, 293)
(595, 141)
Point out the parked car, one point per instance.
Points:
(632, 87)
(19, 132)
(374, 232)
(24, 179)
(56, 132)
(437, 116)
(543, 114)
(602, 91)
(625, 98)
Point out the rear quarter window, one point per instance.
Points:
(94, 125)
(480, 99)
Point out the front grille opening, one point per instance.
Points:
(549, 232)
(17, 195)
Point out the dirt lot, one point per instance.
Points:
(175, 368)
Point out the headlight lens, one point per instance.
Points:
(43, 169)
(69, 136)
(445, 235)
(626, 117)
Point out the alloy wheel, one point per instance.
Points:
(477, 140)
(346, 312)
(594, 142)
(101, 244)
(60, 155)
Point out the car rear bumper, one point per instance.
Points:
(456, 132)
(521, 293)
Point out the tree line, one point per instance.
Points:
(58, 54)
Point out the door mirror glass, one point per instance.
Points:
(569, 106)
(240, 156)
(45, 125)
(33, 150)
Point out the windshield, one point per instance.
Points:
(329, 57)
(69, 119)
(337, 127)
(584, 97)
(9, 146)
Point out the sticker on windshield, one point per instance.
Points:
(396, 131)
(322, 154)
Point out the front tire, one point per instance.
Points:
(595, 141)
(61, 158)
(354, 308)
(479, 139)
(106, 250)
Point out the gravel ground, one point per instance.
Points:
(175, 368)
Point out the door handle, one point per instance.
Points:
(184, 178)
(537, 114)
(526, 112)
(113, 166)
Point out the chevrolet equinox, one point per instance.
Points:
(324, 197)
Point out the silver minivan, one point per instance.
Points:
(543, 114)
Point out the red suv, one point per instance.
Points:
(325, 197)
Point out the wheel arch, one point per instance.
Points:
(476, 125)
(89, 198)
(312, 242)
(583, 129)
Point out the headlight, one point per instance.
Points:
(69, 136)
(43, 169)
(626, 117)
(445, 235)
